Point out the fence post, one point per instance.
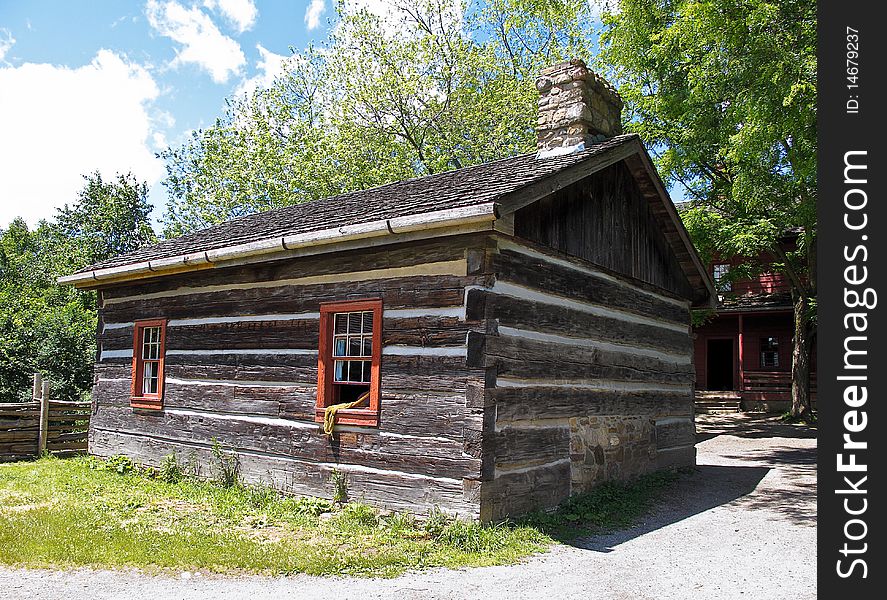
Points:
(44, 415)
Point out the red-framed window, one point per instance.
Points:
(349, 359)
(149, 348)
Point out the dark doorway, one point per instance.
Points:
(720, 364)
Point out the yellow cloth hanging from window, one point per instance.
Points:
(329, 413)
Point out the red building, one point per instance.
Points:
(743, 354)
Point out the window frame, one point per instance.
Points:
(764, 347)
(368, 416)
(139, 399)
(720, 284)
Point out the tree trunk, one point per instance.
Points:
(802, 350)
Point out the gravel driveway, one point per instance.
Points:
(742, 526)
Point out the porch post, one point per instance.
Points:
(741, 352)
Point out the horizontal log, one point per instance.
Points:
(73, 436)
(406, 292)
(72, 445)
(537, 402)
(521, 447)
(429, 331)
(16, 406)
(527, 358)
(671, 433)
(517, 493)
(19, 448)
(18, 436)
(559, 320)
(20, 423)
(270, 436)
(423, 414)
(388, 489)
(20, 414)
(390, 257)
(557, 279)
(63, 404)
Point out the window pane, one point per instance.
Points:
(341, 325)
(340, 346)
(367, 370)
(367, 346)
(354, 371)
(368, 322)
(354, 346)
(339, 375)
(151, 343)
(353, 322)
(149, 378)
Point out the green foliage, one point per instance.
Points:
(339, 481)
(50, 328)
(436, 521)
(120, 464)
(308, 505)
(725, 91)
(227, 466)
(170, 469)
(449, 86)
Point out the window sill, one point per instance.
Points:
(352, 416)
(146, 403)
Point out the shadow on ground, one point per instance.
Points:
(747, 425)
(706, 487)
(791, 495)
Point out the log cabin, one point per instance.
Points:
(512, 333)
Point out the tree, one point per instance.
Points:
(725, 91)
(432, 87)
(51, 328)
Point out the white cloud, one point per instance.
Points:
(202, 42)
(6, 41)
(59, 123)
(269, 65)
(242, 13)
(313, 13)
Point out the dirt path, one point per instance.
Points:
(742, 526)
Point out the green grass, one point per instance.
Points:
(82, 512)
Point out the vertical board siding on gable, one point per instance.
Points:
(251, 383)
(596, 367)
(605, 219)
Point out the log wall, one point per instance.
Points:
(241, 367)
(589, 377)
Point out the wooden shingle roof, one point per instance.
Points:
(468, 186)
(485, 192)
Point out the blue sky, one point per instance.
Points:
(105, 84)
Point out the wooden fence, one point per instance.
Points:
(27, 429)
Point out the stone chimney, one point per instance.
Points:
(576, 109)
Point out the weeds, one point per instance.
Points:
(340, 486)
(227, 467)
(170, 469)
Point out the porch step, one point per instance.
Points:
(717, 402)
